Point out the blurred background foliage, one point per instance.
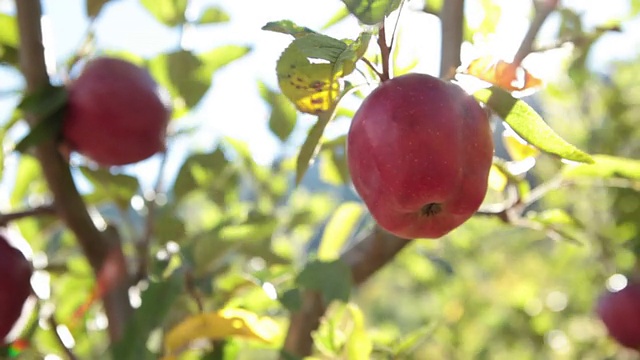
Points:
(229, 232)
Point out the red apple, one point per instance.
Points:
(15, 285)
(620, 313)
(419, 151)
(115, 115)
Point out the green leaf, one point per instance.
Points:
(359, 345)
(413, 340)
(333, 162)
(93, 7)
(28, 173)
(288, 27)
(47, 129)
(46, 103)
(332, 279)
(9, 40)
(336, 18)
(168, 12)
(156, 303)
(605, 166)
(187, 76)
(339, 229)
(346, 62)
(213, 15)
(553, 217)
(311, 145)
(529, 125)
(371, 12)
(291, 299)
(283, 116)
(210, 172)
(119, 188)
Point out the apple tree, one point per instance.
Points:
(484, 207)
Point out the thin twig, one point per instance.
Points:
(543, 10)
(48, 209)
(54, 325)
(372, 67)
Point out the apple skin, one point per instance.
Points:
(15, 285)
(115, 115)
(419, 151)
(620, 313)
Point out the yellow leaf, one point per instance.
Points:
(219, 325)
(339, 229)
(497, 179)
(506, 75)
(517, 148)
(312, 87)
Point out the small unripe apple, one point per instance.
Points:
(15, 285)
(620, 313)
(419, 151)
(115, 114)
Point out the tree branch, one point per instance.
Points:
(37, 211)
(452, 23)
(68, 203)
(543, 10)
(364, 259)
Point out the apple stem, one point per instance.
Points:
(385, 52)
(431, 209)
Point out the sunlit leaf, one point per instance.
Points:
(340, 15)
(526, 122)
(346, 62)
(213, 15)
(552, 217)
(288, 27)
(412, 340)
(498, 180)
(339, 229)
(605, 166)
(492, 16)
(283, 114)
(502, 74)
(312, 86)
(359, 345)
(371, 12)
(517, 148)
(9, 40)
(168, 12)
(332, 279)
(218, 326)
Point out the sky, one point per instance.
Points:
(233, 106)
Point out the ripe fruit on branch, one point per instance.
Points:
(620, 313)
(15, 286)
(419, 151)
(115, 115)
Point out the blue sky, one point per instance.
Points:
(233, 107)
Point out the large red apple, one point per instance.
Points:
(419, 151)
(115, 115)
(15, 285)
(620, 313)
